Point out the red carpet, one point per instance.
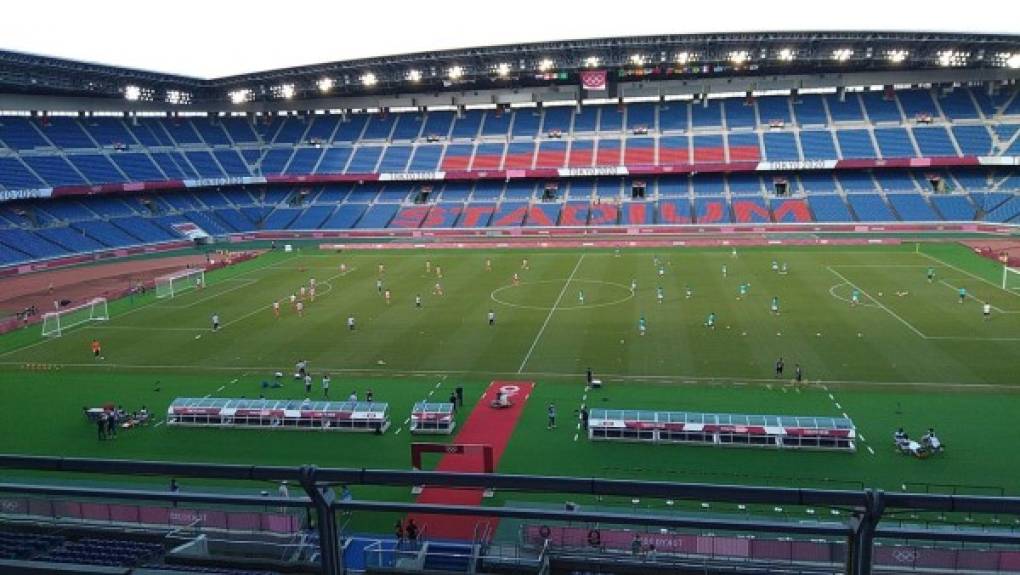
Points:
(487, 426)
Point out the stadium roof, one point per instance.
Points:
(633, 58)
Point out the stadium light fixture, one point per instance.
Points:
(414, 75)
(285, 91)
(952, 58)
(683, 58)
(842, 54)
(132, 93)
(177, 97)
(455, 72)
(897, 56)
(545, 65)
(1013, 61)
(787, 55)
(325, 84)
(503, 69)
(240, 96)
(637, 59)
(368, 79)
(738, 57)
(592, 61)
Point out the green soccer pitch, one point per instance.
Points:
(910, 354)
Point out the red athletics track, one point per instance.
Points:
(486, 426)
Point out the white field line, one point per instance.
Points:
(671, 379)
(965, 272)
(879, 304)
(551, 312)
(977, 299)
(244, 283)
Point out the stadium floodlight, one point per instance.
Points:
(369, 79)
(455, 72)
(545, 65)
(240, 96)
(132, 93)
(177, 97)
(952, 58)
(638, 59)
(503, 69)
(897, 56)
(683, 57)
(787, 55)
(414, 75)
(285, 91)
(1013, 61)
(592, 61)
(325, 84)
(842, 54)
(738, 57)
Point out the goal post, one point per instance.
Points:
(1010, 278)
(54, 323)
(172, 284)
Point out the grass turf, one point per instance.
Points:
(913, 360)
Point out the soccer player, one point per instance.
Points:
(438, 289)
(417, 301)
(387, 296)
(733, 253)
(798, 374)
(325, 385)
(775, 305)
(524, 264)
(350, 323)
(311, 283)
(353, 396)
(633, 285)
(783, 269)
(710, 321)
(439, 272)
(343, 268)
(215, 322)
(963, 294)
(688, 292)
(308, 384)
(642, 325)
(855, 297)
(779, 367)
(986, 311)
(378, 285)
(724, 270)
(662, 271)
(302, 292)
(492, 317)
(311, 293)
(488, 265)
(517, 279)
(382, 269)
(428, 266)
(97, 349)
(580, 297)
(293, 299)
(658, 294)
(742, 290)
(551, 413)
(775, 266)
(931, 275)
(276, 308)
(300, 308)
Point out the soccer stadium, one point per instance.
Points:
(693, 303)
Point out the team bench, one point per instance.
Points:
(363, 416)
(725, 429)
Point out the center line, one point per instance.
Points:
(551, 312)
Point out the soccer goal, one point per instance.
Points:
(1010, 278)
(172, 284)
(54, 323)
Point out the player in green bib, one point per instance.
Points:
(710, 320)
(743, 290)
(931, 275)
(855, 297)
(963, 294)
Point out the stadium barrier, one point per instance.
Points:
(123, 514)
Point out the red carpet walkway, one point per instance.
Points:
(484, 426)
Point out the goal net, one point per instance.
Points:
(1010, 278)
(172, 284)
(54, 323)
